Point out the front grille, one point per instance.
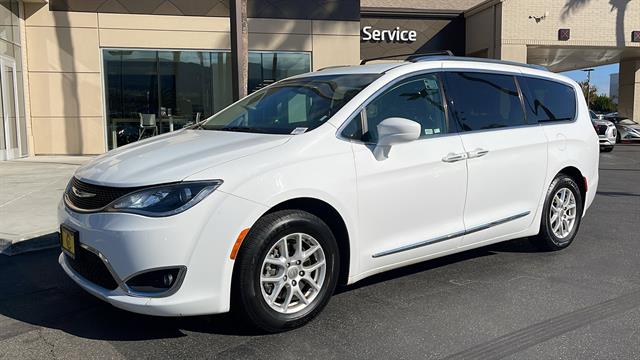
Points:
(104, 195)
(90, 266)
(602, 129)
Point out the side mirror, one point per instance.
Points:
(393, 131)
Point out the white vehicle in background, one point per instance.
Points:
(606, 130)
(328, 177)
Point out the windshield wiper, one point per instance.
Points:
(241, 129)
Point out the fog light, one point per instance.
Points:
(156, 281)
(168, 280)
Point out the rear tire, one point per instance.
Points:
(272, 275)
(561, 215)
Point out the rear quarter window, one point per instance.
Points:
(547, 100)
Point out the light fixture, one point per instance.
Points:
(539, 18)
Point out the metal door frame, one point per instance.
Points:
(10, 152)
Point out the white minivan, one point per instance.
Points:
(329, 177)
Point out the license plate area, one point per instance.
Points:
(69, 240)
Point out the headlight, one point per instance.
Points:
(164, 200)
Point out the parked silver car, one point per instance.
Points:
(628, 130)
(607, 132)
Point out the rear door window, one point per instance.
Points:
(547, 100)
(481, 101)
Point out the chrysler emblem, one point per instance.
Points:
(81, 194)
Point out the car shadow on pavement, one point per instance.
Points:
(35, 291)
(39, 294)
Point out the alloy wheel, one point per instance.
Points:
(293, 273)
(562, 215)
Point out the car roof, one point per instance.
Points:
(446, 62)
(352, 69)
(382, 67)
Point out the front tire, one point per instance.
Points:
(561, 215)
(607, 148)
(286, 271)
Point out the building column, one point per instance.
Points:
(629, 89)
(516, 53)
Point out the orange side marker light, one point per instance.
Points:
(236, 246)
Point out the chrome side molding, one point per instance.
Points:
(450, 236)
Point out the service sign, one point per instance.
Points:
(395, 35)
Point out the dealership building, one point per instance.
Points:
(81, 77)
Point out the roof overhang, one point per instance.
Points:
(408, 12)
(482, 6)
(558, 59)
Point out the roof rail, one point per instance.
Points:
(487, 61)
(333, 67)
(413, 57)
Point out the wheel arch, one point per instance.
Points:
(578, 177)
(332, 218)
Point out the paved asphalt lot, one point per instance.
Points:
(506, 300)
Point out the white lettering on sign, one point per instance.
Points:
(395, 35)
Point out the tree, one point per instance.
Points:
(593, 91)
(239, 46)
(602, 103)
(597, 102)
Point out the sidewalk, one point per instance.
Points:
(30, 190)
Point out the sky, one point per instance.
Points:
(599, 76)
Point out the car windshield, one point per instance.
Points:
(290, 106)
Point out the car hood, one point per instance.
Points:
(631, 126)
(602, 122)
(173, 157)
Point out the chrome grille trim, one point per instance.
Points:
(101, 196)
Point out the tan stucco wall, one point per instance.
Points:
(592, 22)
(65, 74)
(483, 32)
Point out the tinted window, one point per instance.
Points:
(298, 104)
(418, 99)
(483, 101)
(548, 100)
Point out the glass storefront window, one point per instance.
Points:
(265, 68)
(13, 131)
(154, 92)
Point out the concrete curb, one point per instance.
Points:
(47, 241)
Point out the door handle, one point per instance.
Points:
(477, 153)
(453, 157)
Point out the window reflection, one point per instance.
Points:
(265, 68)
(484, 101)
(154, 92)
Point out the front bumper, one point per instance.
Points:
(199, 239)
(605, 141)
